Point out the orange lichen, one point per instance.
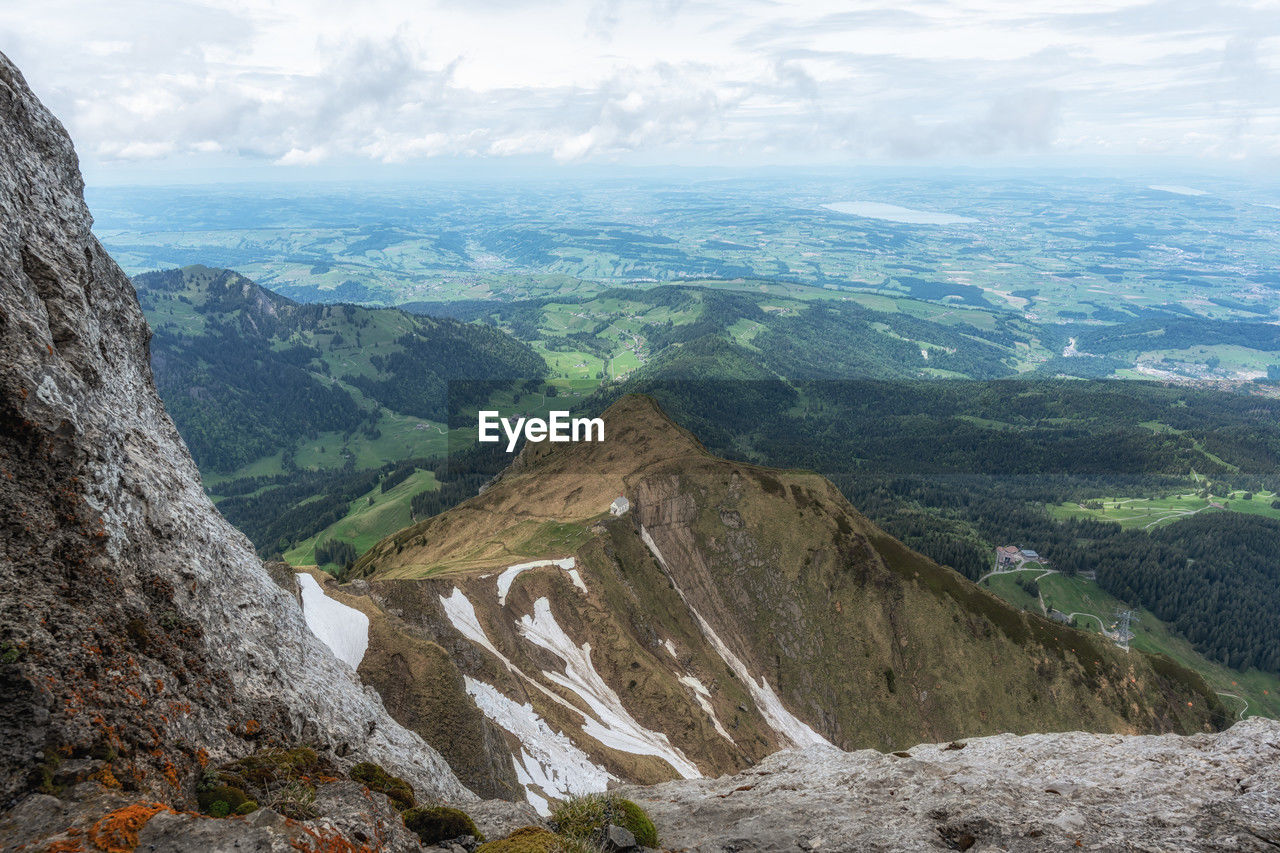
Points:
(64, 845)
(171, 774)
(107, 778)
(117, 832)
(202, 757)
(317, 842)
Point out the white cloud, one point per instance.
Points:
(321, 81)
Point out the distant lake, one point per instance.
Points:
(893, 213)
(1176, 189)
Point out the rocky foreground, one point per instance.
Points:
(1037, 792)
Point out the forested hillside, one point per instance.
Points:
(293, 411)
(246, 373)
(955, 468)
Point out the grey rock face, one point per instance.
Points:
(1148, 793)
(137, 627)
(618, 839)
(357, 820)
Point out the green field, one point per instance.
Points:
(372, 517)
(1150, 513)
(402, 437)
(1259, 692)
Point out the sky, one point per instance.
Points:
(227, 89)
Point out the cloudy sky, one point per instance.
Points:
(220, 88)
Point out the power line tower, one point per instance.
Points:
(1124, 619)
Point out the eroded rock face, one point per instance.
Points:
(1036, 792)
(137, 628)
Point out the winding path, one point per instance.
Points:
(1243, 701)
(1101, 625)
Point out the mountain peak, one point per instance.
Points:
(637, 433)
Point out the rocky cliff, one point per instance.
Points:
(140, 638)
(1063, 792)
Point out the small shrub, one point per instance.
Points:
(219, 808)
(247, 807)
(281, 779)
(439, 823)
(585, 818)
(375, 778)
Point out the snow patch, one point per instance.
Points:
(670, 647)
(703, 695)
(781, 720)
(577, 580)
(512, 572)
(343, 629)
(619, 730)
(615, 727)
(458, 609)
(549, 765)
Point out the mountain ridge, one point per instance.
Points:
(732, 611)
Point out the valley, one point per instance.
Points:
(1186, 279)
(644, 428)
(693, 347)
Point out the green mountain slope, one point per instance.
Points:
(246, 372)
(294, 411)
(761, 593)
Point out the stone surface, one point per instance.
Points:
(618, 839)
(136, 625)
(1140, 793)
(355, 820)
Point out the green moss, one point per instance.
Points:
(247, 807)
(440, 823)
(228, 795)
(219, 808)
(44, 773)
(585, 818)
(530, 839)
(375, 778)
(635, 819)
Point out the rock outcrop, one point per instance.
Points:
(1067, 791)
(140, 637)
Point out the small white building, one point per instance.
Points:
(619, 506)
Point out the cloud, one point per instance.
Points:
(296, 82)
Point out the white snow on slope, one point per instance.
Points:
(619, 730)
(577, 580)
(548, 761)
(343, 629)
(463, 617)
(616, 727)
(512, 572)
(782, 721)
(703, 695)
